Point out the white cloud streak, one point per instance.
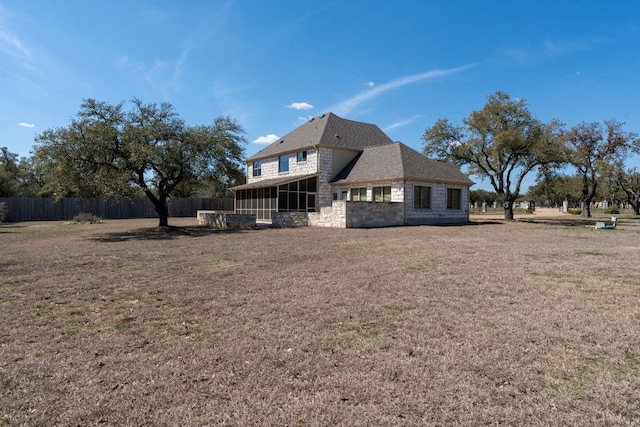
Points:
(348, 105)
(26, 125)
(267, 139)
(402, 123)
(549, 49)
(300, 106)
(12, 45)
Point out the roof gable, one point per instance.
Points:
(398, 161)
(327, 130)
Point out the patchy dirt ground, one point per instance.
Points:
(535, 322)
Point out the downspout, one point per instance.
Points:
(404, 205)
(318, 175)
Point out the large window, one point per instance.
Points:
(302, 156)
(453, 198)
(381, 194)
(358, 194)
(283, 164)
(257, 168)
(421, 197)
(298, 196)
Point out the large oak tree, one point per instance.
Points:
(592, 148)
(8, 172)
(107, 151)
(629, 182)
(502, 142)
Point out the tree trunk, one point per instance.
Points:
(162, 208)
(586, 209)
(160, 205)
(588, 193)
(508, 210)
(163, 213)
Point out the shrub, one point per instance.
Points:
(575, 211)
(613, 210)
(87, 218)
(4, 209)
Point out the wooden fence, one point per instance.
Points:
(48, 209)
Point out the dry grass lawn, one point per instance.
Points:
(117, 324)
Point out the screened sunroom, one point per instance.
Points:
(292, 194)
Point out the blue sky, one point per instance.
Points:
(272, 64)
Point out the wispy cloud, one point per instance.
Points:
(11, 44)
(348, 105)
(564, 47)
(26, 125)
(300, 106)
(267, 139)
(168, 74)
(402, 123)
(546, 49)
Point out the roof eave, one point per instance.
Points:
(434, 181)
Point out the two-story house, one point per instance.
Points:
(344, 173)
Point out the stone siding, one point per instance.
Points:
(305, 167)
(270, 167)
(226, 220)
(438, 212)
(374, 214)
(397, 190)
(325, 174)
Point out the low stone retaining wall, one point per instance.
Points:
(289, 219)
(344, 214)
(226, 220)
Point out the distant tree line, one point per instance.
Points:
(503, 142)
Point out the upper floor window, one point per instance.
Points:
(358, 194)
(257, 168)
(302, 156)
(453, 198)
(283, 164)
(381, 194)
(421, 197)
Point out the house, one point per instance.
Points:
(336, 172)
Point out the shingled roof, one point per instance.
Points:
(397, 161)
(326, 130)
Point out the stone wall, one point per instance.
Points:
(344, 214)
(225, 220)
(372, 214)
(330, 216)
(289, 219)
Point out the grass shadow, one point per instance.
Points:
(6, 228)
(162, 233)
(487, 222)
(563, 222)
